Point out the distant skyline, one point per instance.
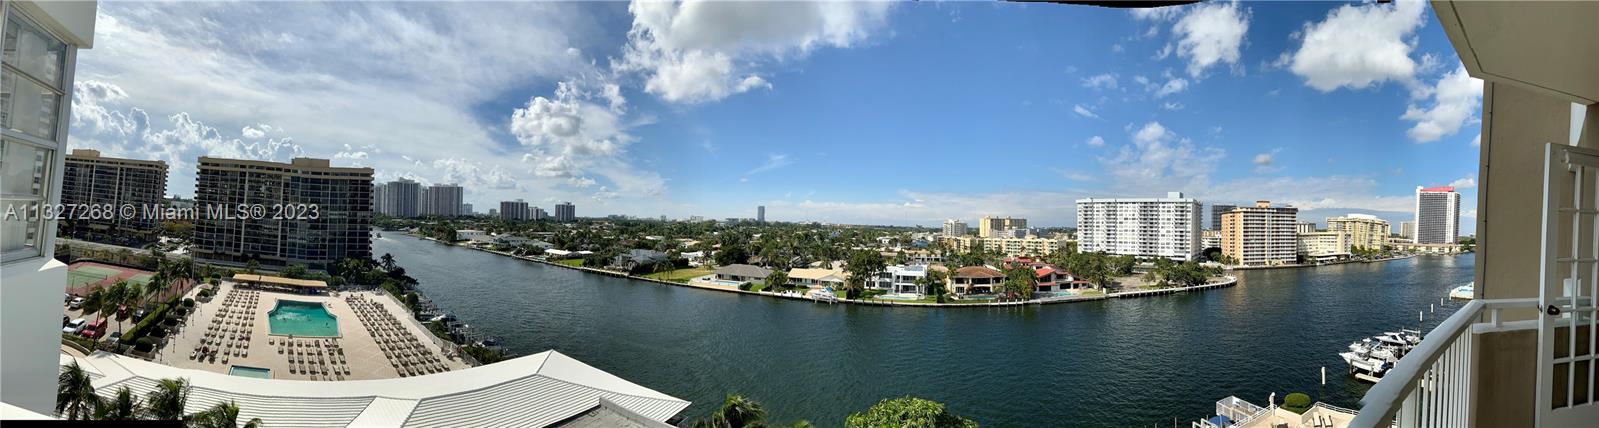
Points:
(868, 113)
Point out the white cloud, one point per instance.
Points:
(1160, 161)
(1466, 182)
(1455, 100)
(1210, 34)
(1096, 141)
(1171, 87)
(1359, 45)
(1477, 141)
(1172, 105)
(698, 51)
(773, 161)
(1084, 112)
(1265, 163)
(1100, 81)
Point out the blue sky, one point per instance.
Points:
(880, 113)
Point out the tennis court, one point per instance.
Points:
(83, 277)
(79, 278)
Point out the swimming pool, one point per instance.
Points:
(310, 319)
(246, 371)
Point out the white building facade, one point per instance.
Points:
(1437, 215)
(1145, 227)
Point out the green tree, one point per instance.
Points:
(776, 281)
(222, 415)
(168, 399)
(251, 266)
(1019, 282)
(933, 283)
(737, 411)
(907, 412)
(123, 407)
(388, 262)
(74, 393)
(294, 271)
(731, 255)
(863, 264)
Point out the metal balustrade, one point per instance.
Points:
(1432, 385)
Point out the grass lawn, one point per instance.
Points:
(680, 275)
(571, 262)
(758, 287)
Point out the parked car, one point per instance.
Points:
(138, 315)
(115, 338)
(65, 320)
(74, 326)
(77, 303)
(68, 299)
(95, 329)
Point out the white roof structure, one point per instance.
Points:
(537, 390)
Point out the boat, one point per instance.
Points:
(1464, 292)
(1370, 358)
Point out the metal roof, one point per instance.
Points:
(536, 390)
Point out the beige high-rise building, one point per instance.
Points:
(92, 180)
(1365, 231)
(1261, 235)
(1324, 246)
(339, 225)
(995, 227)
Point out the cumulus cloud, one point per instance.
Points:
(1477, 141)
(1171, 87)
(1265, 162)
(1453, 102)
(1159, 161)
(1084, 112)
(1211, 34)
(1357, 46)
(698, 51)
(1096, 141)
(1100, 81)
(1466, 182)
(1172, 105)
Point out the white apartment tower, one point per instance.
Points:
(401, 198)
(953, 227)
(41, 44)
(443, 200)
(1437, 215)
(565, 212)
(1145, 227)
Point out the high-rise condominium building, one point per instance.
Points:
(565, 212)
(41, 42)
(1215, 214)
(443, 200)
(1146, 227)
(401, 198)
(95, 181)
(953, 227)
(1365, 231)
(1437, 215)
(315, 214)
(540, 214)
(1261, 235)
(515, 210)
(1407, 230)
(760, 213)
(995, 227)
(377, 198)
(1305, 227)
(466, 209)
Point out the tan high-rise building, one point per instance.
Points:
(341, 227)
(1261, 235)
(1365, 231)
(92, 180)
(995, 227)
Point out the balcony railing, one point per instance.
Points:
(1432, 385)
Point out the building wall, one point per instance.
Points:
(565, 212)
(402, 198)
(1261, 235)
(954, 228)
(1437, 216)
(93, 180)
(341, 227)
(1148, 227)
(1324, 244)
(1364, 231)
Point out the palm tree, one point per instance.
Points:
(121, 408)
(97, 301)
(222, 415)
(168, 399)
(156, 285)
(737, 412)
(74, 393)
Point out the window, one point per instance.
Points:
(32, 88)
(24, 171)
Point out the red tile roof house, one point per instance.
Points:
(975, 280)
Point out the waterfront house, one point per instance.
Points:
(899, 279)
(636, 258)
(922, 257)
(468, 234)
(817, 277)
(695, 258)
(975, 280)
(742, 273)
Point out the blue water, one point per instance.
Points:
(246, 371)
(298, 318)
(1102, 364)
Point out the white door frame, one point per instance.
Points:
(1568, 281)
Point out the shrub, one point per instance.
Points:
(1296, 402)
(144, 344)
(745, 286)
(188, 303)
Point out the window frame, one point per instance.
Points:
(55, 147)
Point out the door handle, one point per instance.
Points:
(1552, 310)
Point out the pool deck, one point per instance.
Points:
(366, 360)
